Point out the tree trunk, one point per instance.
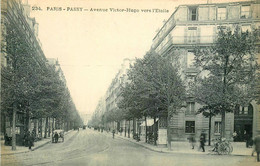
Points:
(210, 127)
(169, 144)
(27, 125)
(49, 123)
(14, 126)
(4, 121)
(53, 125)
(145, 129)
(129, 129)
(125, 128)
(223, 112)
(37, 128)
(134, 126)
(154, 131)
(223, 116)
(46, 128)
(41, 127)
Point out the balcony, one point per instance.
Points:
(164, 31)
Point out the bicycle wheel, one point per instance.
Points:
(223, 149)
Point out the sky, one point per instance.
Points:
(90, 46)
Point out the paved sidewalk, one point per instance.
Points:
(239, 148)
(7, 150)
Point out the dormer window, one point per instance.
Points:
(193, 13)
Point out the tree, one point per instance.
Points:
(231, 67)
(155, 88)
(16, 77)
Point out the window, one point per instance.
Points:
(234, 12)
(193, 13)
(245, 28)
(245, 12)
(192, 34)
(190, 108)
(217, 128)
(190, 59)
(190, 127)
(244, 110)
(222, 13)
(203, 13)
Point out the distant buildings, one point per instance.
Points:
(55, 64)
(113, 94)
(198, 25)
(86, 118)
(108, 103)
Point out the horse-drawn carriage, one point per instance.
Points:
(56, 135)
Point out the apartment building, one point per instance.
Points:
(198, 25)
(16, 13)
(113, 94)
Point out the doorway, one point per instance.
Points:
(243, 123)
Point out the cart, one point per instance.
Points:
(57, 134)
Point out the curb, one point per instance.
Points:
(174, 152)
(33, 149)
(146, 147)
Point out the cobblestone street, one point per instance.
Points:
(88, 147)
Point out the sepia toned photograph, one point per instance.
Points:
(130, 83)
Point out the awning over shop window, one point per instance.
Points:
(149, 122)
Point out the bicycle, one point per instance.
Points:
(222, 147)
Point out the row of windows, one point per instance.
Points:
(193, 33)
(221, 12)
(240, 110)
(190, 127)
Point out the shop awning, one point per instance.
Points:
(149, 122)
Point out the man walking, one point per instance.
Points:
(30, 140)
(202, 142)
(113, 132)
(257, 146)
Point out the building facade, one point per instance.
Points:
(113, 95)
(16, 13)
(191, 26)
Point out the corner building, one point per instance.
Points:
(193, 26)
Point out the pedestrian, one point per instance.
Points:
(30, 140)
(56, 137)
(26, 138)
(113, 132)
(257, 147)
(202, 142)
(192, 141)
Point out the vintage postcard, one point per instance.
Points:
(124, 82)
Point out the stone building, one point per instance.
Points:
(17, 14)
(198, 25)
(113, 95)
